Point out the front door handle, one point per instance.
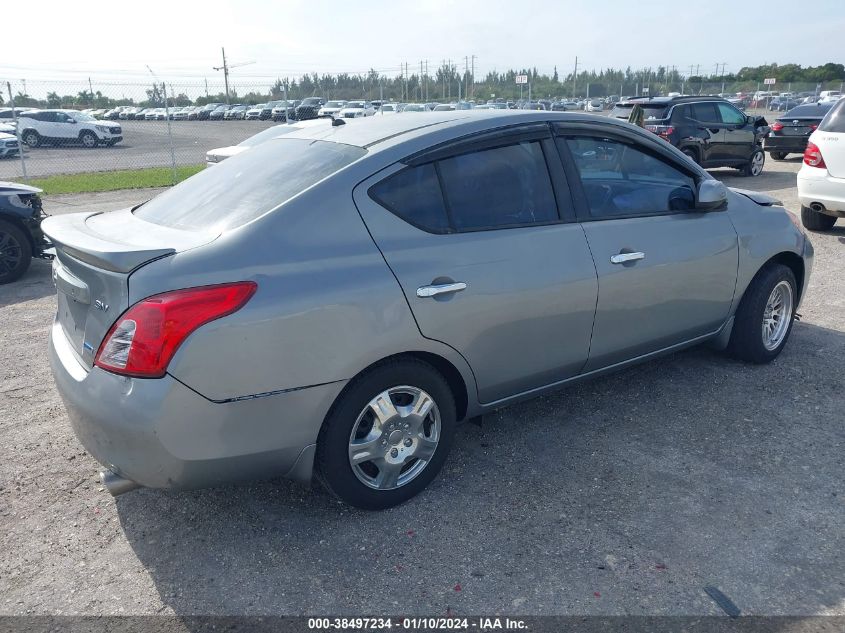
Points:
(622, 258)
(440, 289)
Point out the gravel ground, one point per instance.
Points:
(625, 495)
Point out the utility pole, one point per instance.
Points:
(91, 92)
(449, 91)
(426, 80)
(574, 76)
(206, 86)
(466, 76)
(472, 76)
(225, 69)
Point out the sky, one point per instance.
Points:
(181, 41)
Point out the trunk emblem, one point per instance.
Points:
(101, 305)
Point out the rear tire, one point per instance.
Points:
(815, 221)
(777, 155)
(15, 253)
(755, 164)
(397, 435)
(751, 340)
(31, 138)
(691, 153)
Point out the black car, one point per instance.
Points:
(790, 132)
(710, 130)
(204, 113)
(21, 238)
(309, 108)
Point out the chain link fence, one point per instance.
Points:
(72, 127)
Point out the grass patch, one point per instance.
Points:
(114, 180)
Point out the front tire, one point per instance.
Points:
(755, 164)
(763, 321)
(691, 154)
(777, 155)
(15, 253)
(815, 221)
(387, 436)
(89, 140)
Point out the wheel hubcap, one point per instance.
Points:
(757, 163)
(394, 438)
(777, 315)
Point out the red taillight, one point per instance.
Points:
(663, 131)
(144, 339)
(813, 156)
(813, 126)
(777, 126)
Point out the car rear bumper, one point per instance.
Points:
(161, 434)
(789, 144)
(818, 186)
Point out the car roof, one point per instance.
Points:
(371, 131)
(672, 100)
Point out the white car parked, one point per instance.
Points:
(595, 105)
(331, 108)
(67, 126)
(821, 180)
(355, 109)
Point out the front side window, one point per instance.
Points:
(731, 115)
(499, 187)
(622, 180)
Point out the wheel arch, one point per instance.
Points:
(795, 263)
(451, 374)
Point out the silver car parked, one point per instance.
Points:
(334, 301)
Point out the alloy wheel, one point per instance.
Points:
(10, 253)
(777, 315)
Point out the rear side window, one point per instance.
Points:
(705, 112)
(247, 185)
(834, 121)
(485, 189)
(414, 195)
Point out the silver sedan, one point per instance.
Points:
(332, 302)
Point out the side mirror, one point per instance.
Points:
(72, 121)
(750, 119)
(712, 194)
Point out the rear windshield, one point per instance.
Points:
(807, 111)
(247, 185)
(651, 110)
(834, 121)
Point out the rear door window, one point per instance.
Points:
(705, 112)
(503, 186)
(248, 185)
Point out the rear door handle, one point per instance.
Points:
(621, 258)
(440, 289)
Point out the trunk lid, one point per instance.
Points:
(95, 254)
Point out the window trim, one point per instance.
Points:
(582, 207)
(487, 140)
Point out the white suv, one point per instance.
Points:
(67, 126)
(821, 181)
